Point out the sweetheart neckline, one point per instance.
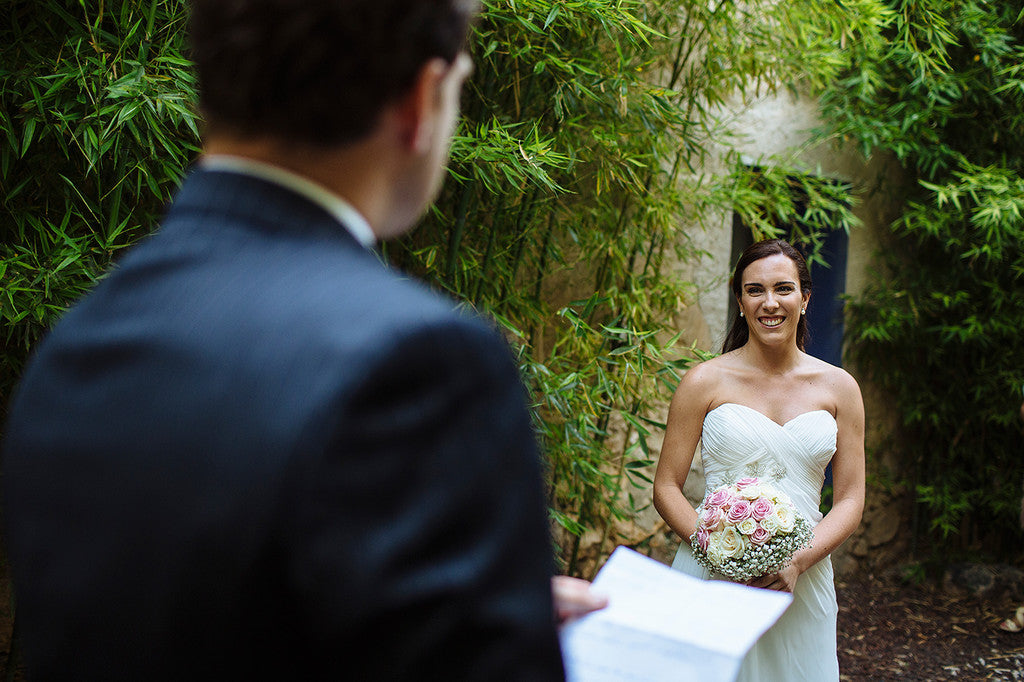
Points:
(755, 411)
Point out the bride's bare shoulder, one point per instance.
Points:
(708, 374)
(839, 383)
(832, 375)
(696, 390)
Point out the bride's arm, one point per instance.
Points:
(847, 488)
(847, 473)
(682, 433)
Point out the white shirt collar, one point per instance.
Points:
(341, 210)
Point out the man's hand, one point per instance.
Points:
(574, 599)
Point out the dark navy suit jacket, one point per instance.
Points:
(254, 452)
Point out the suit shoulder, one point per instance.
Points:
(392, 303)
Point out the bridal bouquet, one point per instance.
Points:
(748, 529)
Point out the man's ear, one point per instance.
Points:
(419, 107)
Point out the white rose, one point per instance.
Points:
(733, 544)
(715, 554)
(771, 523)
(752, 492)
(747, 526)
(785, 517)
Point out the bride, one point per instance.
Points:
(765, 408)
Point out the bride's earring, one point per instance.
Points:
(803, 311)
(741, 313)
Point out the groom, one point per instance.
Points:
(254, 452)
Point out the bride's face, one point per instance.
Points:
(771, 300)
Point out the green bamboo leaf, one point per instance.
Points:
(635, 423)
(27, 135)
(641, 476)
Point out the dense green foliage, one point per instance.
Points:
(582, 158)
(588, 128)
(940, 86)
(96, 127)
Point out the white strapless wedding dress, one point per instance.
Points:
(739, 441)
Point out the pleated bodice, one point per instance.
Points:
(739, 441)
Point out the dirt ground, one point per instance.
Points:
(5, 626)
(890, 630)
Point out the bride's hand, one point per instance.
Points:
(783, 581)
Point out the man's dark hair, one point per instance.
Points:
(316, 72)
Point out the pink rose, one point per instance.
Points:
(744, 482)
(712, 518)
(702, 538)
(738, 511)
(760, 536)
(761, 508)
(719, 498)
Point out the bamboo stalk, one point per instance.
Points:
(520, 237)
(469, 196)
(539, 280)
(492, 238)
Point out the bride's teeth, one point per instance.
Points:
(771, 322)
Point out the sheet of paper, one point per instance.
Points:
(661, 624)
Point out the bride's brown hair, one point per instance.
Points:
(739, 332)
